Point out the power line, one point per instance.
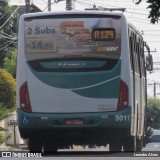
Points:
(44, 2)
(3, 16)
(13, 38)
(104, 4)
(153, 41)
(137, 13)
(47, 6)
(6, 45)
(9, 18)
(8, 35)
(151, 35)
(154, 87)
(151, 30)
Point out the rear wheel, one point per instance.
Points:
(35, 145)
(49, 147)
(139, 145)
(130, 144)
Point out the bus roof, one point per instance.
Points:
(118, 13)
(85, 12)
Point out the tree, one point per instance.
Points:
(7, 89)
(7, 29)
(153, 113)
(154, 6)
(10, 63)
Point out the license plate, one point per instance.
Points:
(74, 122)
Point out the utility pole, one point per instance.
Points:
(27, 6)
(154, 88)
(49, 5)
(68, 4)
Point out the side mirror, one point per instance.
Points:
(149, 62)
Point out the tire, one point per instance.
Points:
(130, 144)
(115, 147)
(139, 145)
(50, 148)
(35, 146)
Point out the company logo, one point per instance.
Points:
(19, 154)
(69, 65)
(108, 49)
(111, 49)
(6, 154)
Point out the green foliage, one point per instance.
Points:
(4, 111)
(154, 6)
(10, 63)
(7, 29)
(153, 113)
(154, 13)
(7, 89)
(2, 137)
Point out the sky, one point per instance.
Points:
(136, 13)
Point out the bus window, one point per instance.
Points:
(131, 53)
(53, 45)
(138, 59)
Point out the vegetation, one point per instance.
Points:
(2, 138)
(154, 6)
(7, 89)
(10, 63)
(4, 112)
(8, 19)
(153, 113)
(8, 54)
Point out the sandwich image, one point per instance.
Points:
(76, 30)
(82, 39)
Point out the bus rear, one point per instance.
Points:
(69, 84)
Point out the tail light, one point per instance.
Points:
(123, 96)
(24, 98)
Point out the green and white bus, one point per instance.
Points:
(81, 79)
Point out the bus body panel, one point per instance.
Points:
(51, 99)
(29, 123)
(76, 79)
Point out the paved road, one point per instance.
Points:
(102, 153)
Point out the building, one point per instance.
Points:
(21, 9)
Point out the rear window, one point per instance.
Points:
(74, 37)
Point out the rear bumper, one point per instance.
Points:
(96, 125)
(82, 136)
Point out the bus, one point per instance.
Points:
(81, 80)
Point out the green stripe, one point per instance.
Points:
(72, 80)
(99, 119)
(107, 90)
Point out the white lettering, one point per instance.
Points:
(122, 118)
(140, 154)
(152, 154)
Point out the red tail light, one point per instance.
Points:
(123, 96)
(24, 98)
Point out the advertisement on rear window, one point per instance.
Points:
(87, 37)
